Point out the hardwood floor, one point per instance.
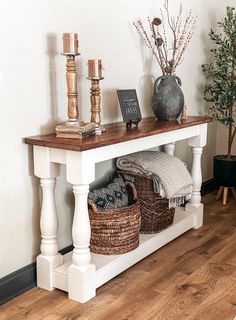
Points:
(191, 278)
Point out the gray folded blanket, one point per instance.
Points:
(171, 178)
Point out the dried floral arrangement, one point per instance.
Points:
(168, 53)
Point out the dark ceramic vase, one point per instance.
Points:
(168, 98)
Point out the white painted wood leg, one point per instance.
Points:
(81, 274)
(195, 206)
(170, 148)
(49, 257)
(196, 175)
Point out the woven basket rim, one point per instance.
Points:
(116, 211)
(141, 175)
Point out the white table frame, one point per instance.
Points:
(80, 272)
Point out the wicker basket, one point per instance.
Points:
(155, 212)
(115, 231)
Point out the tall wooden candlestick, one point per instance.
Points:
(70, 50)
(73, 128)
(71, 80)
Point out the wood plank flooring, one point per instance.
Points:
(191, 278)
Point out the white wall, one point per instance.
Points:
(33, 95)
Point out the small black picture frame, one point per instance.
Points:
(129, 106)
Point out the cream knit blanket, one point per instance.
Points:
(171, 178)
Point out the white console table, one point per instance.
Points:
(80, 272)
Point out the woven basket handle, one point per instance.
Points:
(93, 205)
(131, 185)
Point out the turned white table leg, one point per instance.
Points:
(170, 148)
(48, 220)
(196, 175)
(195, 206)
(49, 257)
(81, 278)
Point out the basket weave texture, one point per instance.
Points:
(115, 231)
(155, 212)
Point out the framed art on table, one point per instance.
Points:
(129, 106)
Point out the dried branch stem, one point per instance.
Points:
(168, 58)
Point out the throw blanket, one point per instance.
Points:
(171, 178)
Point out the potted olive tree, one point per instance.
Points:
(220, 91)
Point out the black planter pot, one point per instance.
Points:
(225, 171)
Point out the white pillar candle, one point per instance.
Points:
(70, 43)
(95, 68)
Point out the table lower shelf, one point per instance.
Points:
(109, 266)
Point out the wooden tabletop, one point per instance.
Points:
(115, 133)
